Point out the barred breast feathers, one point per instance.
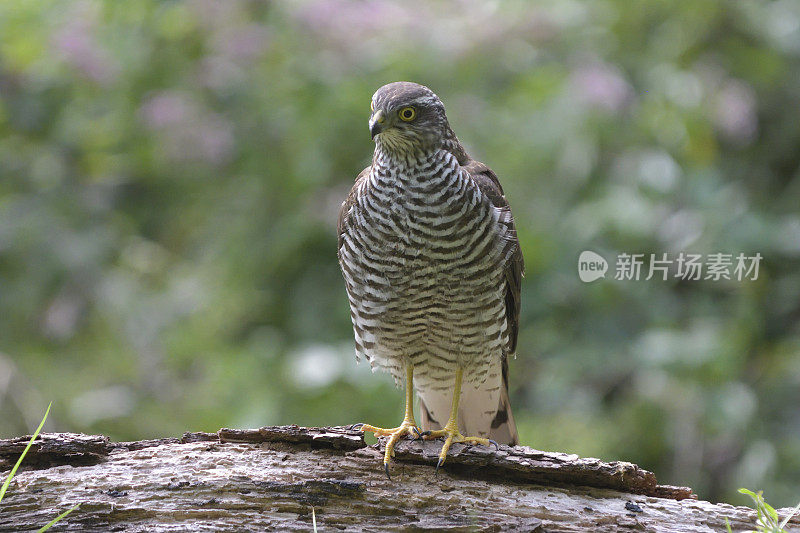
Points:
(408, 226)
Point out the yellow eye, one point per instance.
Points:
(407, 114)
(372, 106)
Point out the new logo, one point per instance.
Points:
(591, 266)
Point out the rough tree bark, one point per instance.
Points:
(273, 478)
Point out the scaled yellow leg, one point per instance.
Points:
(407, 427)
(450, 430)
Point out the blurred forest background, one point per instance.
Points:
(171, 173)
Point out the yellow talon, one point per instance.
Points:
(407, 427)
(450, 431)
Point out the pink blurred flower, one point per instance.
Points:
(735, 112)
(242, 42)
(353, 18)
(602, 85)
(188, 130)
(165, 108)
(76, 44)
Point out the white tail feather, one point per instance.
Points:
(482, 412)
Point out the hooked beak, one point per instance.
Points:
(376, 122)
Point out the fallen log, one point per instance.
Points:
(282, 478)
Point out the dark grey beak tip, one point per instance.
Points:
(374, 130)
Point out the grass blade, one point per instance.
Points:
(58, 518)
(21, 457)
(789, 516)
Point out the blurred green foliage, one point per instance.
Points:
(170, 176)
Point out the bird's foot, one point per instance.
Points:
(452, 435)
(408, 427)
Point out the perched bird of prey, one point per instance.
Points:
(432, 265)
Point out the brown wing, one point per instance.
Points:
(503, 428)
(515, 268)
(344, 211)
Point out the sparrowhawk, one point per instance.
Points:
(432, 266)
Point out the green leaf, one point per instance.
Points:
(771, 511)
(21, 457)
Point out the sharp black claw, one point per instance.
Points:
(386, 469)
(356, 427)
(440, 463)
(496, 446)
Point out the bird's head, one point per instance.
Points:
(407, 118)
